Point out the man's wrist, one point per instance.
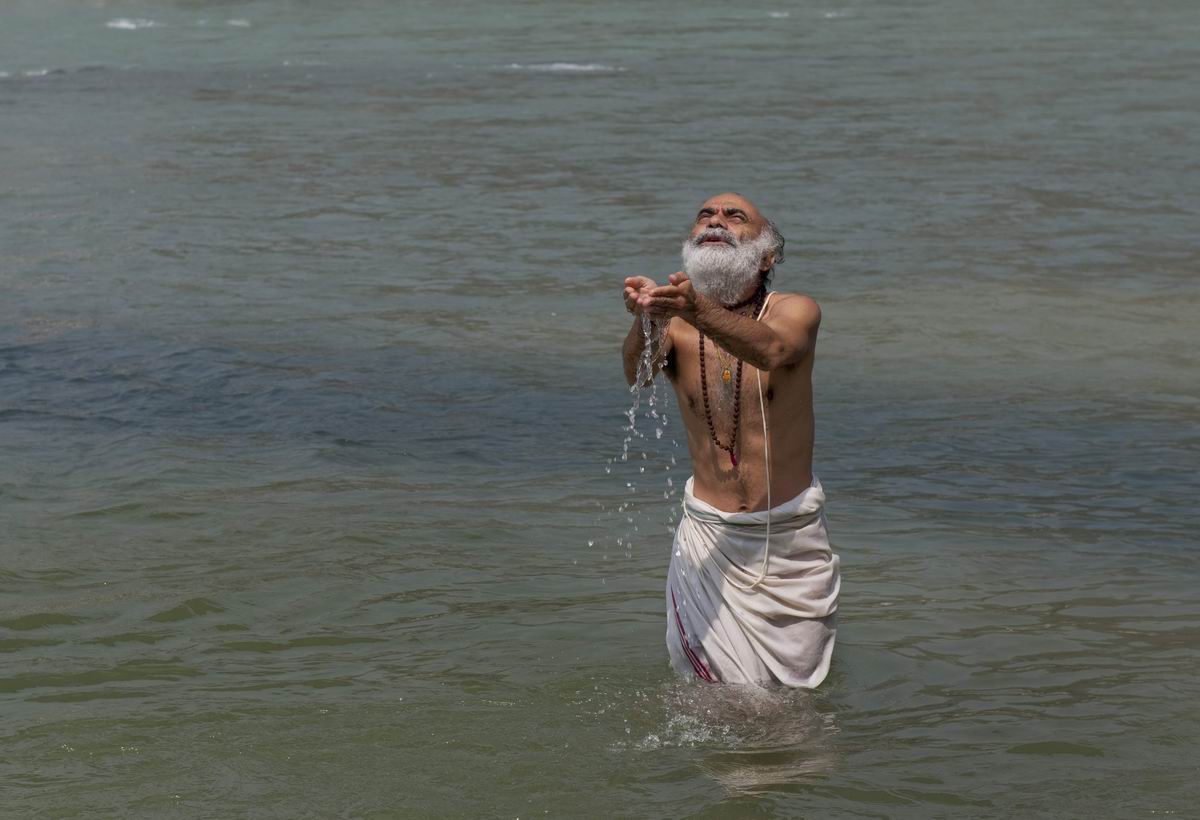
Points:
(704, 310)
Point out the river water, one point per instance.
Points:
(311, 405)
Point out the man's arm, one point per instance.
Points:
(784, 339)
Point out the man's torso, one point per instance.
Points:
(787, 398)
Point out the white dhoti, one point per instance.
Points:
(780, 630)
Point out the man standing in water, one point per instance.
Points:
(752, 586)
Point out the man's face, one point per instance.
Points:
(727, 249)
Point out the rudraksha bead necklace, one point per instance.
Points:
(731, 448)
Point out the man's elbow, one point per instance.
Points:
(782, 355)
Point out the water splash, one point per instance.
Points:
(746, 737)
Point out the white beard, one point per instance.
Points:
(722, 272)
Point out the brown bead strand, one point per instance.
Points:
(737, 406)
(737, 396)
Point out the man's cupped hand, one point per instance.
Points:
(676, 299)
(635, 288)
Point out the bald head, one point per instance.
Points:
(734, 203)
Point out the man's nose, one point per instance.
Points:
(717, 221)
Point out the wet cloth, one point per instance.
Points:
(782, 629)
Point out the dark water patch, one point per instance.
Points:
(91, 695)
(41, 620)
(147, 638)
(17, 644)
(269, 647)
(55, 420)
(1056, 747)
(117, 509)
(38, 576)
(193, 608)
(375, 410)
(132, 670)
(174, 515)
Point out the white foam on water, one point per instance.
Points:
(132, 24)
(238, 23)
(779, 15)
(682, 730)
(35, 72)
(564, 67)
(833, 15)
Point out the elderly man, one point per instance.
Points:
(752, 586)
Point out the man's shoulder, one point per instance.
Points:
(796, 306)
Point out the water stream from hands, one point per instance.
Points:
(640, 453)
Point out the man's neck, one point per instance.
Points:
(749, 296)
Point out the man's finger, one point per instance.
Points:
(666, 290)
(677, 277)
(663, 303)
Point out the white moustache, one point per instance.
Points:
(715, 233)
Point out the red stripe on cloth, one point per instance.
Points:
(701, 670)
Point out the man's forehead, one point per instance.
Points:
(729, 200)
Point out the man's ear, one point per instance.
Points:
(767, 262)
